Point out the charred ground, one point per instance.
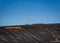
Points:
(35, 33)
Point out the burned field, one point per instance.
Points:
(35, 33)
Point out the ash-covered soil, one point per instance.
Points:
(36, 33)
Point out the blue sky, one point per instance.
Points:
(18, 12)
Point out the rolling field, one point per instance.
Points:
(35, 33)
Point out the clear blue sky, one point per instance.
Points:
(17, 12)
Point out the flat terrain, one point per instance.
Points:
(35, 33)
